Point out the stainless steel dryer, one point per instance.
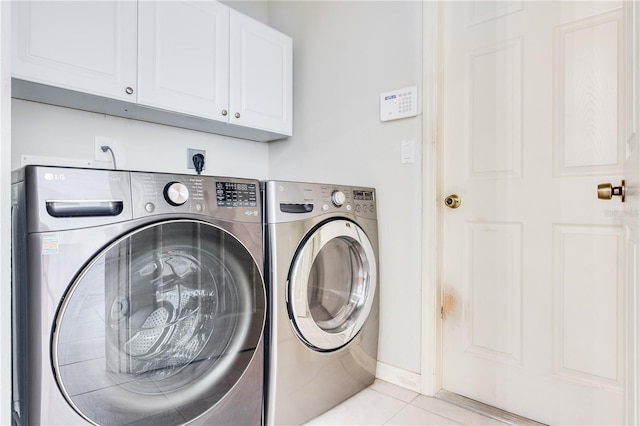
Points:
(322, 280)
(138, 298)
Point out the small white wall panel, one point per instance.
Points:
(494, 111)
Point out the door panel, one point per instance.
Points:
(260, 76)
(184, 57)
(532, 122)
(47, 47)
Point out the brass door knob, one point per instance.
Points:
(452, 201)
(606, 191)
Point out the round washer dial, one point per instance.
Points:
(176, 193)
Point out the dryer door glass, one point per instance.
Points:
(332, 285)
(159, 326)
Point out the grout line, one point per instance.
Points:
(410, 403)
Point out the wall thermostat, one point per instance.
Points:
(399, 103)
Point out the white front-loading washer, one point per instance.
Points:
(322, 283)
(138, 298)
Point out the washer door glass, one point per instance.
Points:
(159, 326)
(332, 284)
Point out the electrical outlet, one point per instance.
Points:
(190, 153)
(99, 154)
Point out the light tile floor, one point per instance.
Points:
(385, 404)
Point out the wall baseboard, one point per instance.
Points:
(398, 376)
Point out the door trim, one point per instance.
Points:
(431, 357)
(632, 319)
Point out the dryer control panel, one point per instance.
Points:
(294, 200)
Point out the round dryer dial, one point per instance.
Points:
(338, 198)
(176, 193)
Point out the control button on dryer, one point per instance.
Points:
(338, 198)
(176, 193)
(149, 207)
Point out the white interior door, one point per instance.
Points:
(533, 275)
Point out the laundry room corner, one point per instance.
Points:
(5, 214)
(371, 48)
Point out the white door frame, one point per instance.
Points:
(632, 314)
(431, 364)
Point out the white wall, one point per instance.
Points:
(5, 213)
(257, 9)
(47, 131)
(345, 54)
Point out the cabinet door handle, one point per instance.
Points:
(129, 90)
(224, 112)
(237, 115)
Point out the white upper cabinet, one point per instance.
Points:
(193, 64)
(85, 46)
(183, 57)
(260, 76)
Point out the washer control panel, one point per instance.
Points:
(232, 198)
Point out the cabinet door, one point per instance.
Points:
(87, 46)
(183, 62)
(260, 76)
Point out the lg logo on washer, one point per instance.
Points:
(54, 176)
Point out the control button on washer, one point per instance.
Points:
(176, 193)
(149, 207)
(325, 207)
(349, 207)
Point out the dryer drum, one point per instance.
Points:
(165, 314)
